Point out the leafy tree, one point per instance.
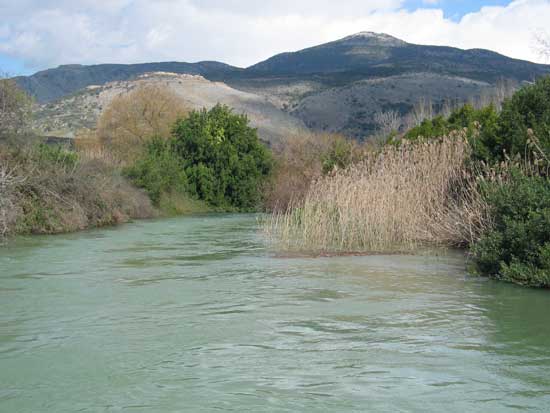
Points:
(224, 160)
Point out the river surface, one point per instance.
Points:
(195, 314)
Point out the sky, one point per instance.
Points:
(38, 34)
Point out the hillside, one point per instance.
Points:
(337, 86)
(81, 110)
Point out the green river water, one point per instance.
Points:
(195, 314)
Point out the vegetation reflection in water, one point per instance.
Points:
(194, 314)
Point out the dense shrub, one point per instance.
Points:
(56, 155)
(225, 162)
(517, 248)
(340, 154)
(495, 136)
(159, 171)
(481, 126)
(53, 190)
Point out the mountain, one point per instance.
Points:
(338, 86)
(373, 54)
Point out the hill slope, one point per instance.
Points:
(66, 116)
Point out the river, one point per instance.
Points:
(196, 314)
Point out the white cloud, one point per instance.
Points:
(44, 33)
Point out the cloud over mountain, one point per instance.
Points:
(44, 33)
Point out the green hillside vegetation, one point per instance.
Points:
(338, 63)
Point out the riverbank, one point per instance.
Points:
(52, 190)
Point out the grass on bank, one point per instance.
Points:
(48, 190)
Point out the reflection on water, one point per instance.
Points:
(194, 314)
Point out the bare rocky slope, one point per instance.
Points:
(64, 117)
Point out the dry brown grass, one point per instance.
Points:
(395, 200)
(89, 147)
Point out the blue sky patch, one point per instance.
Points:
(454, 9)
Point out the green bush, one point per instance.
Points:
(430, 128)
(517, 248)
(481, 125)
(56, 155)
(159, 171)
(225, 162)
(339, 155)
(529, 108)
(500, 135)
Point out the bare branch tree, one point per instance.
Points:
(447, 108)
(542, 44)
(387, 122)
(134, 118)
(422, 110)
(9, 179)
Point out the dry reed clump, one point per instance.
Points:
(395, 200)
(89, 147)
(299, 162)
(66, 194)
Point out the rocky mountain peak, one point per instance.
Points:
(373, 38)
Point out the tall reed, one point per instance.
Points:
(395, 200)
